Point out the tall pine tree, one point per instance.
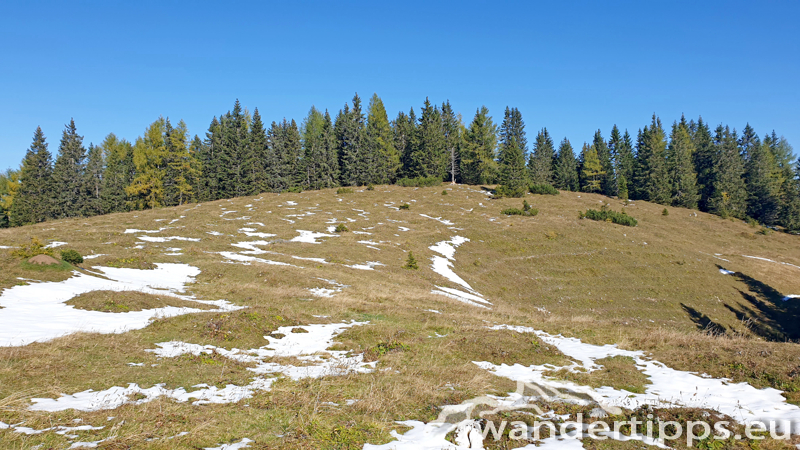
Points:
(70, 197)
(540, 162)
(566, 168)
(383, 154)
(513, 172)
(118, 174)
(681, 168)
(729, 197)
(478, 164)
(33, 200)
(651, 176)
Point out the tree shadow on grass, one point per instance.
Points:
(764, 311)
(702, 321)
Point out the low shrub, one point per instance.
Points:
(419, 182)
(295, 190)
(344, 190)
(607, 215)
(542, 189)
(71, 256)
(444, 192)
(405, 206)
(35, 247)
(525, 211)
(509, 191)
(665, 212)
(411, 262)
(341, 228)
(370, 187)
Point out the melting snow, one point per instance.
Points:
(37, 312)
(133, 230)
(244, 443)
(253, 233)
(246, 260)
(310, 237)
(165, 239)
(769, 260)
(669, 388)
(369, 265)
(55, 244)
(309, 347)
(438, 219)
(726, 272)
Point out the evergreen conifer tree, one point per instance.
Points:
(566, 168)
(729, 197)
(681, 168)
(609, 182)
(93, 181)
(429, 158)
(118, 174)
(652, 177)
(540, 162)
(34, 199)
(703, 158)
(764, 182)
(453, 141)
(513, 172)
(405, 136)
(381, 147)
(351, 140)
(253, 178)
(478, 164)
(69, 195)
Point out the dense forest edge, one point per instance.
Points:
(723, 172)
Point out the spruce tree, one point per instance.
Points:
(540, 162)
(384, 156)
(609, 182)
(513, 172)
(764, 182)
(566, 168)
(404, 129)
(93, 182)
(703, 157)
(625, 159)
(208, 184)
(453, 141)
(179, 169)
(681, 168)
(429, 158)
(729, 197)
(118, 174)
(34, 199)
(651, 176)
(478, 164)
(591, 169)
(253, 178)
(284, 158)
(69, 198)
(234, 152)
(330, 171)
(351, 141)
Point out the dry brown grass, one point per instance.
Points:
(124, 301)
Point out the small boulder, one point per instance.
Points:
(43, 260)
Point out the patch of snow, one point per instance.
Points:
(251, 247)
(668, 388)
(789, 297)
(457, 297)
(291, 203)
(433, 311)
(133, 230)
(448, 248)
(94, 256)
(726, 272)
(253, 233)
(167, 238)
(244, 443)
(310, 237)
(214, 233)
(769, 260)
(55, 244)
(37, 312)
(322, 292)
(464, 295)
(438, 219)
(369, 265)
(362, 232)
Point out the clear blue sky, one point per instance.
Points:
(572, 67)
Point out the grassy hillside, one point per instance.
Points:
(656, 287)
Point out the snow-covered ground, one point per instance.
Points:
(37, 312)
